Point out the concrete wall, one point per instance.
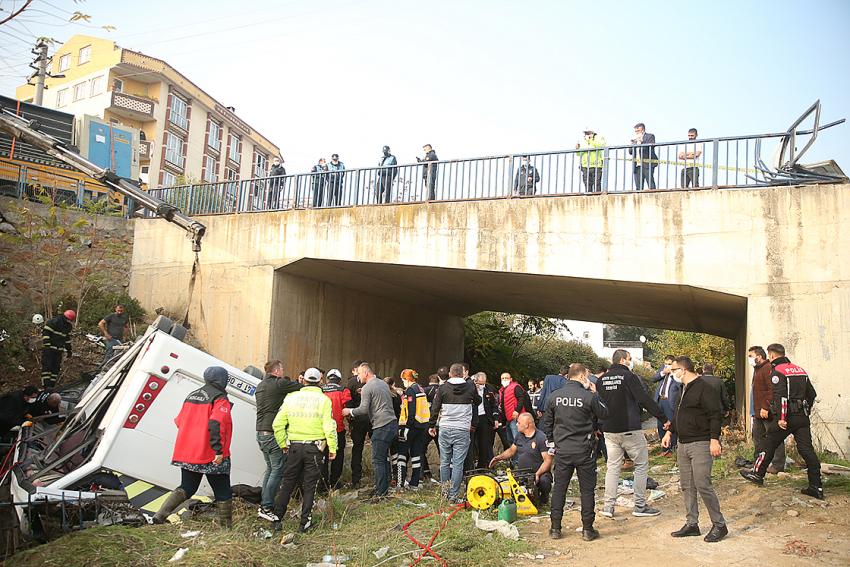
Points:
(780, 248)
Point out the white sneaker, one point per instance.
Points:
(645, 511)
(607, 511)
(267, 514)
(413, 488)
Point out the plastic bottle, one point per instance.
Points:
(507, 511)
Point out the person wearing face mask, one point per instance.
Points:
(320, 179)
(570, 418)
(277, 172)
(623, 392)
(762, 393)
(667, 391)
(697, 421)
(386, 176)
(412, 428)
(512, 404)
(336, 180)
(527, 177)
(14, 407)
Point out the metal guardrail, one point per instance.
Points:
(717, 162)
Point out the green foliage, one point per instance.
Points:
(14, 351)
(701, 348)
(526, 346)
(99, 304)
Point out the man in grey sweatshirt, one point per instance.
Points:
(376, 402)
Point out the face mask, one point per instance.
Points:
(751, 361)
(32, 401)
(630, 364)
(676, 378)
(586, 384)
(505, 383)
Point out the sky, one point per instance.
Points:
(481, 77)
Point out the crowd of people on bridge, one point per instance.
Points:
(554, 430)
(328, 179)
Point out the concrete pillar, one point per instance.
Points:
(320, 324)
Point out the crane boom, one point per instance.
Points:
(28, 131)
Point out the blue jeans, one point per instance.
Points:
(110, 344)
(513, 432)
(382, 439)
(454, 445)
(275, 461)
(667, 408)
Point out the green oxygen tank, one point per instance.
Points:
(507, 511)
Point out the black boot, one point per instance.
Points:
(555, 533)
(716, 534)
(686, 530)
(589, 534)
(225, 513)
(813, 491)
(752, 477)
(175, 499)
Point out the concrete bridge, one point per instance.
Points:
(391, 283)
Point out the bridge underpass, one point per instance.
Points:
(390, 283)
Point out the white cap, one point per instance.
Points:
(334, 372)
(589, 129)
(313, 375)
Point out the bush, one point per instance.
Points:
(98, 304)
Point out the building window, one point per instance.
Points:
(96, 86)
(79, 91)
(61, 98)
(235, 148)
(261, 162)
(64, 62)
(231, 174)
(118, 85)
(85, 55)
(210, 169)
(179, 115)
(168, 179)
(214, 140)
(174, 149)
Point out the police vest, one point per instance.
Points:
(796, 381)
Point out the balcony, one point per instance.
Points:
(145, 150)
(131, 106)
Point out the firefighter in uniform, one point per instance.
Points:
(569, 420)
(55, 337)
(793, 397)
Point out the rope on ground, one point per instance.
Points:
(427, 548)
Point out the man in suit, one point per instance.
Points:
(665, 396)
(719, 387)
(645, 160)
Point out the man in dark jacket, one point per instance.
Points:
(719, 387)
(697, 423)
(569, 422)
(270, 393)
(386, 176)
(454, 405)
(668, 390)
(527, 178)
(358, 427)
(320, 179)
(55, 338)
(551, 383)
(277, 172)
(336, 181)
(760, 410)
(624, 394)
(484, 419)
(430, 392)
(429, 171)
(15, 406)
(646, 160)
(793, 400)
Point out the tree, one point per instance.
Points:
(699, 347)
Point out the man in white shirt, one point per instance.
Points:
(691, 156)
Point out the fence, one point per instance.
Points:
(718, 162)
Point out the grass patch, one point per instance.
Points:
(360, 530)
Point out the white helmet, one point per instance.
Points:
(37, 319)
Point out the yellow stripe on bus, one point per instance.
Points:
(137, 488)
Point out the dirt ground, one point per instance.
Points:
(771, 525)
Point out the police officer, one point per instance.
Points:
(793, 397)
(569, 420)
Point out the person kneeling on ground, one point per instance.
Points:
(531, 452)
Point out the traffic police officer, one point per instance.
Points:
(569, 420)
(793, 398)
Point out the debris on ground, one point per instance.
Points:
(192, 533)
(502, 527)
(829, 468)
(178, 555)
(800, 548)
(261, 533)
(381, 552)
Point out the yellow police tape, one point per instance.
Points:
(689, 164)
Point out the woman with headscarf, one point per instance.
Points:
(202, 448)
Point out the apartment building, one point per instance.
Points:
(186, 134)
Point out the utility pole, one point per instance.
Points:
(41, 72)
